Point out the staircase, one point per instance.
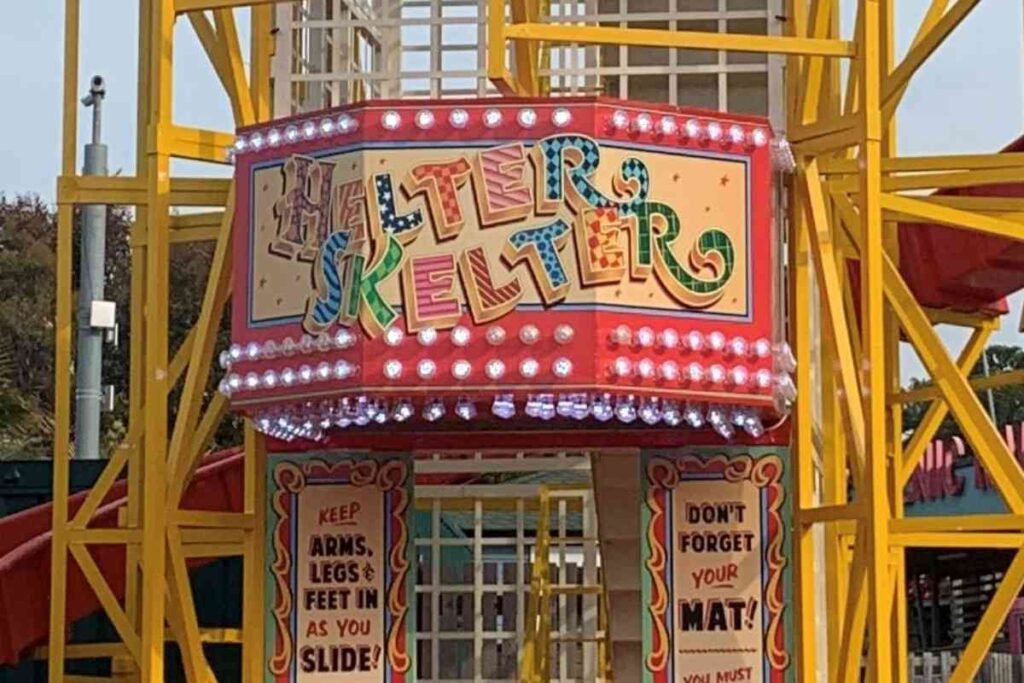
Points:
(618, 499)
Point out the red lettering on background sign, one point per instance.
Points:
(936, 478)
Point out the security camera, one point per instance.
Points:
(97, 90)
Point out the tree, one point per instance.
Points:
(28, 230)
(1008, 401)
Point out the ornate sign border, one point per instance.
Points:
(288, 476)
(660, 473)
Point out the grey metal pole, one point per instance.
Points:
(92, 256)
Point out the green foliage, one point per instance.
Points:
(28, 230)
(1008, 401)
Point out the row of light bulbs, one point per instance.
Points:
(665, 126)
(315, 420)
(529, 334)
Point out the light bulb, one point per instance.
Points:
(403, 410)
(433, 410)
(621, 336)
(495, 369)
(716, 374)
(714, 131)
(347, 124)
(529, 334)
(564, 334)
(465, 408)
(643, 123)
(460, 335)
(759, 137)
(235, 352)
(323, 371)
(256, 140)
(344, 338)
(492, 118)
(273, 137)
(424, 119)
(426, 368)
(619, 120)
(251, 381)
(461, 369)
(495, 335)
(667, 126)
(393, 369)
(458, 118)
(306, 344)
(739, 376)
(650, 411)
(625, 409)
(343, 369)
(670, 413)
(669, 371)
(562, 367)
(394, 336)
(326, 126)
(288, 377)
(692, 129)
(669, 338)
(391, 120)
(601, 408)
(736, 134)
(622, 367)
(695, 372)
(693, 416)
(252, 351)
(270, 349)
(529, 368)
(504, 406)
(527, 118)
(738, 347)
(305, 374)
(645, 368)
(561, 117)
(309, 130)
(644, 337)
(427, 336)
(240, 144)
(763, 378)
(762, 348)
(716, 341)
(694, 340)
(269, 379)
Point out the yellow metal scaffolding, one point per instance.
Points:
(848, 190)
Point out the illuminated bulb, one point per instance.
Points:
(344, 338)
(327, 127)
(460, 335)
(564, 407)
(763, 378)
(323, 371)
(759, 137)
(694, 340)
(625, 409)
(273, 137)
(426, 368)
(561, 117)
(762, 348)
(458, 118)
(692, 129)
(580, 406)
(667, 125)
(504, 406)
(495, 335)
(643, 123)
(495, 369)
(753, 426)
(235, 352)
(391, 120)
(424, 119)
(529, 334)
(465, 409)
(347, 124)
(251, 381)
(716, 374)
(269, 379)
(736, 135)
(309, 130)
(427, 336)
(738, 347)
(668, 338)
(492, 118)
(693, 416)
(394, 336)
(256, 140)
(716, 341)
(621, 336)
(644, 337)
(433, 410)
(622, 367)
(393, 369)
(402, 411)
(784, 358)
(306, 344)
(785, 387)
(601, 408)
(669, 371)
(695, 372)
(562, 367)
(645, 368)
(619, 120)
(240, 144)
(739, 376)
(527, 118)
(224, 359)
(564, 334)
(323, 344)
(287, 377)
(252, 351)
(305, 374)
(529, 368)
(671, 414)
(461, 369)
(718, 420)
(343, 369)
(650, 411)
(714, 131)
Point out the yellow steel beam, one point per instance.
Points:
(215, 550)
(527, 52)
(923, 48)
(813, 75)
(823, 128)
(989, 523)
(104, 536)
(694, 40)
(1004, 379)
(956, 539)
(830, 513)
(253, 567)
(107, 599)
(855, 616)
(937, 180)
(238, 92)
(990, 623)
(186, 142)
(925, 210)
(938, 410)
(209, 518)
(131, 191)
(214, 48)
(931, 18)
(925, 164)
(974, 320)
(261, 47)
(183, 604)
(182, 6)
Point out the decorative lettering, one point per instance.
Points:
(540, 248)
(487, 301)
(501, 194)
(427, 292)
(303, 211)
(440, 183)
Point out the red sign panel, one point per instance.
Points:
(566, 260)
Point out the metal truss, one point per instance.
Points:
(849, 189)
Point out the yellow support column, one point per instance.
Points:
(253, 607)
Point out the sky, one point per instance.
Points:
(968, 98)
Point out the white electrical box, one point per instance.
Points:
(103, 314)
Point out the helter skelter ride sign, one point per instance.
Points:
(569, 260)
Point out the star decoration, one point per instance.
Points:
(724, 180)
